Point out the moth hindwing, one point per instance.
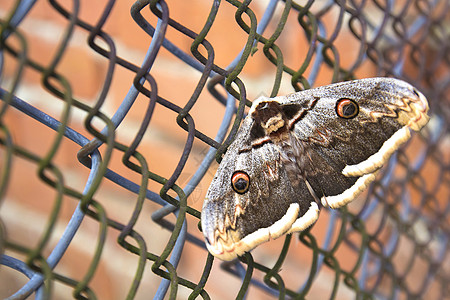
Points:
(321, 146)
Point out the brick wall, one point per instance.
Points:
(29, 201)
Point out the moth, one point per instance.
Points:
(295, 153)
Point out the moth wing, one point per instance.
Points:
(345, 154)
(234, 223)
(274, 202)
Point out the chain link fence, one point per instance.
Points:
(391, 243)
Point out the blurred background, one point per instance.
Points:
(86, 214)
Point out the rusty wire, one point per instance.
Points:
(408, 40)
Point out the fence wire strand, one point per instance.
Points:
(398, 236)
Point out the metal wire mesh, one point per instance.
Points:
(392, 243)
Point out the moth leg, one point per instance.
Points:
(311, 191)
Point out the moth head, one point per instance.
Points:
(269, 116)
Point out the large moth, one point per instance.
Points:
(295, 153)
